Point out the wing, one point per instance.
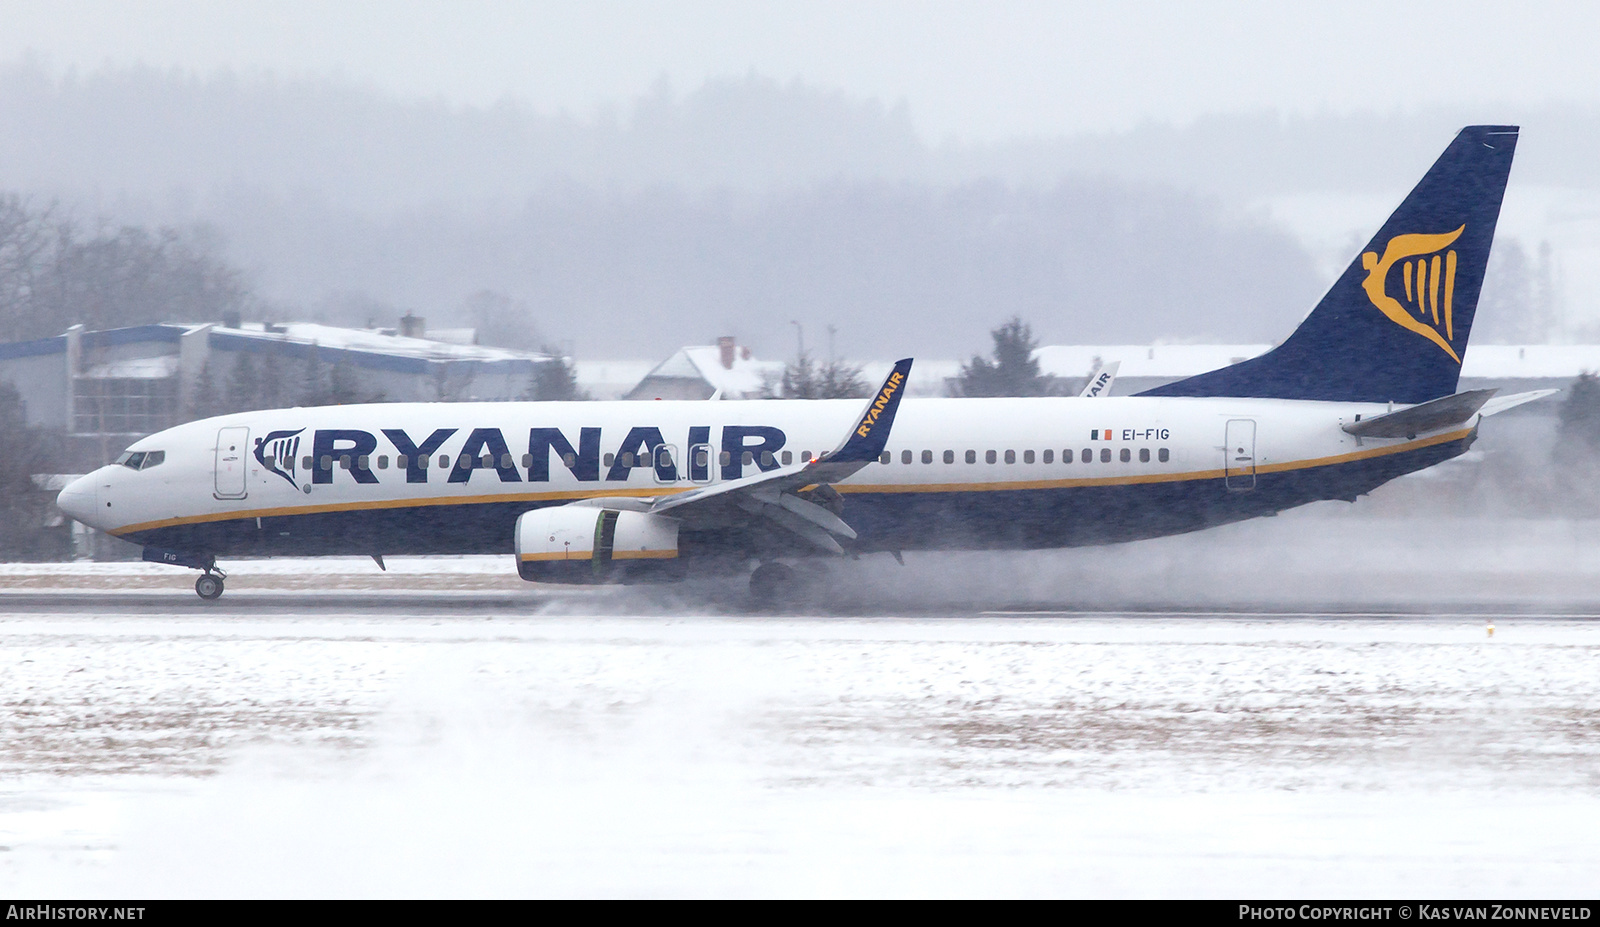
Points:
(794, 497)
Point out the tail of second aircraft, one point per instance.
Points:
(1394, 327)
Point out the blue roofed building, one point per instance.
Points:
(104, 389)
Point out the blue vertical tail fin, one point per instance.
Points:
(1394, 327)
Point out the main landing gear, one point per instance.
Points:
(772, 582)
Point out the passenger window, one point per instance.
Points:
(444, 461)
(1011, 457)
(402, 462)
(949, 457)
(972, 457)
(805, 456)
(464, 462)
(1163, 455)
(1127, 455)
(1049, 456)
(327, 462)
(788, 458)
(748, 458)
(885, 458)
(487, 462)
(383, 461)
(725, 458)
(609, 459)
(905, 457)
(364, 462)
(527, 462)
(1144, 455)
(567, 460)
(1027, 457)
(1105, 455)
(1088, 455)
(767, 460)
(927, 457)
(627, 459)
(989, 456)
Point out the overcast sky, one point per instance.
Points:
(978, 71)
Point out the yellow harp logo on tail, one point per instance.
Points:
(1429, 274)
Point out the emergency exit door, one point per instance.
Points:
(1240, 455)
(231, 446)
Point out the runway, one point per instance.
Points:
(440, 729)
(355, 754)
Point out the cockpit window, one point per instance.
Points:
(141, 460)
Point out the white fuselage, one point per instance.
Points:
(997, 472)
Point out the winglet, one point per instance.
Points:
(871, 433)
(1100, 381)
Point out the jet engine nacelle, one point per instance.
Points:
(578, 544)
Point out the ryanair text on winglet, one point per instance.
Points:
(871, 418)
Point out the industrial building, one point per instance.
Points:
(104, 389)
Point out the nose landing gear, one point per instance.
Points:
(209, 585)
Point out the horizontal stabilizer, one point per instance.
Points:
(1501, 403)
(1429, 416)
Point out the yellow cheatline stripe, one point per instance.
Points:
(643, 554)
(577, 555)
(574, 495)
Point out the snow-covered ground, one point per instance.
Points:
(1125, 721)
(447, 754)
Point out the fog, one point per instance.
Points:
(635, 174)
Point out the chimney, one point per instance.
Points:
(413, 326)
(725, 346)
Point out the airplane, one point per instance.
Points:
(1362, 392)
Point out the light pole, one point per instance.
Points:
(800, 340)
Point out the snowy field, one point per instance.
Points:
(469, 735)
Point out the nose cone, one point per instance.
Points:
(77, 499)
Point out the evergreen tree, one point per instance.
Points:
(243, 392)
(343, 385)
(1014, 370)
(206, 401)
(24, 504)
(1578, 435)
(313, 380)
(554, 380)
(803, 379)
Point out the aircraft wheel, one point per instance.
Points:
(772, 581)
(208, 586)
